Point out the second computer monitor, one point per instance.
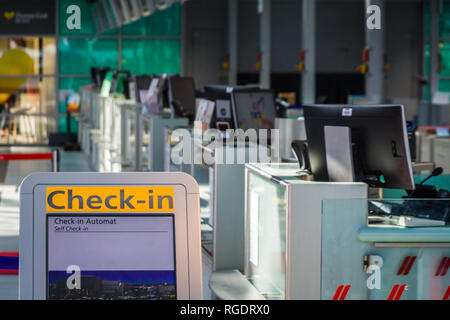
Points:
(254, 109)
(182, 92)
(365, 143)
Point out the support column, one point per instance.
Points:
(308, 84)
(233, 7)
(375, 45)
(435, 8)
(184, 41)
(265, 43)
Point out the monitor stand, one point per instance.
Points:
(344, 151)
(339, 154)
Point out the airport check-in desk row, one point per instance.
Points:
(116, 137)
(270, 233)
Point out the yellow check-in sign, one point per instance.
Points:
(110, 199)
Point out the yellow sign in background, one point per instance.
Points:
(110, 199)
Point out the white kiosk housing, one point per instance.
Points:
(110, 236)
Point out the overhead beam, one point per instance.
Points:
(101, 18)
(137, 9)
(125, 11)
(111, 22)
(149, 7)
(116, 11)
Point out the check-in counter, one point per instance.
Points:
(151, 139)
(87, 117)
(83, 115)
(290, 129)
(219, 169)
(442, 153)
(142, 138)
(173, 161)
(432, 143)
(117, 137)
(129, 129)
(100, 129)
(106, 156)
(282, 246)
(371, 250)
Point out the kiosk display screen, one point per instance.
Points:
(127, 257)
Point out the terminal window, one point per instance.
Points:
(106, 257)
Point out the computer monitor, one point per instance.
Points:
(222, 117)
(205, 111)
(105, 88)
(98, 75)
(138, 87)
(182, 95)
(254, 108)
(163, 88)
(152, 99)
(118, 81)
(366, 143)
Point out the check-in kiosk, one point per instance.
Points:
(110, 236)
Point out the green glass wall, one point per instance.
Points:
(161, 56)
(78, 55)
(150, 45)
(161, 23)
(444, 35)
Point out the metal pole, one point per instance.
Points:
(375, 45)
(138, 144)
(184, 40)
(55, 160)
(111, 22)
(435, 8)
(233, 6)
(308, 85)
(265, 45)
(56, 101)
(125, 11)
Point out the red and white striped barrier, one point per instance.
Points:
(52, 156)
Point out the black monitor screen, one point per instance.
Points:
(376, 142)
(182, 90)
